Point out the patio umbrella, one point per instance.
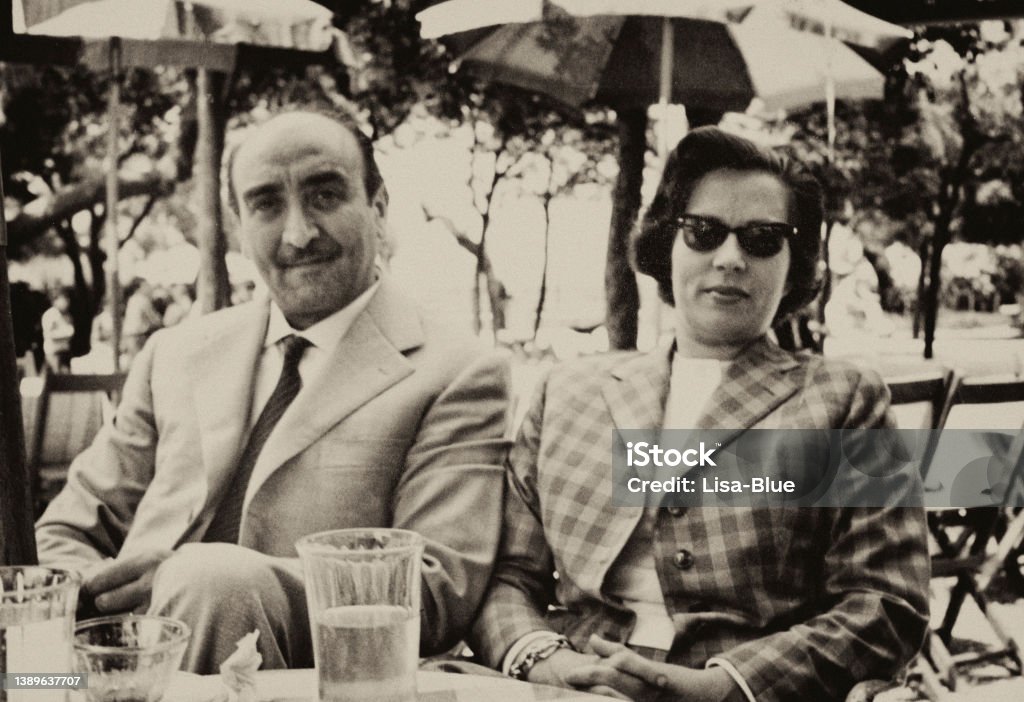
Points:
(641, 52)
(715, 55)
(828, 17)
(294, 24)
(210, 35)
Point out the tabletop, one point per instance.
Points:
(288, 686)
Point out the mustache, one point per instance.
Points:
(321, 248)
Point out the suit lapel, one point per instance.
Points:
(754, 384)
(636, 394)
(366, 362)
(225, 365)
(635, 398)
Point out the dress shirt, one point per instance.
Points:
(323, 336)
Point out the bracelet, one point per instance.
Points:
(537, 653)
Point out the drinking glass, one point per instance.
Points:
(363, 591)
(37, 613)
(129, 657)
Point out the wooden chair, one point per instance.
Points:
(67, 414)
(922, 401)
(964, 536)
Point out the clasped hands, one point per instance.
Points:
(613, 670)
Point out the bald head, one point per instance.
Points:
(316, 119)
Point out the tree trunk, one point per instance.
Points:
(213, 289)
(623, 297)
(81, 300)
(96, 258)
(922, 279)
(826, 284)
(542, 297)
(496, 295)
(940, 238)
(17, 538)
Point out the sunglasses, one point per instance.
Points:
(761, 239)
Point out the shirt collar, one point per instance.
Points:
(325, 334)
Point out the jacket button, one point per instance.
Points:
(683, 559)
(676, 511)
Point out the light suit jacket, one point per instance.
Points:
(404, 428)
(802, 602)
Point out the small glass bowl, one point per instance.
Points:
(129, 658)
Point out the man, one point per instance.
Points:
(190, 504)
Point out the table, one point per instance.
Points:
(287, 686)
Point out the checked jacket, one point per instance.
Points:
(803, 602)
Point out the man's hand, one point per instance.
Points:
(662, 680)
(126, 584)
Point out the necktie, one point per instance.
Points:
(227, 519)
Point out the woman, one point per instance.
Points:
(712, 603)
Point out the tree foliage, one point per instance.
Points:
(942, 158)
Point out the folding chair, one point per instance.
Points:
(81, 402)
(919, 401)
(963, 536)
(922, 401)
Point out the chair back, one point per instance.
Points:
(993, 407)
(918, 401)
(63, 420)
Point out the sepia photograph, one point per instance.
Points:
(460, 350)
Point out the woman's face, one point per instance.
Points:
(726, 297)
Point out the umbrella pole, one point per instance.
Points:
(668, 45)
(17, 538)
(668, 37)
(830, 92)
(113, 238)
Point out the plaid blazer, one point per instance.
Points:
(803, 602)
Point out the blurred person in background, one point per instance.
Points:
(141, 318)
(58, 328)
(242, 292)
(180, 305)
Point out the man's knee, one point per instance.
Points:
(211, 573)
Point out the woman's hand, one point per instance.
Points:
(641, 679)
(554, 669)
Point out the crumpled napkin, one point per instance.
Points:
(238, 671)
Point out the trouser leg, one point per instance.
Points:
(223, 592)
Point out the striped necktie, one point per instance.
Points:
(227, 519)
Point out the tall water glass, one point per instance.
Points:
(37, 615)
(363, 591)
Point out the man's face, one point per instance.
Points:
(306, 220)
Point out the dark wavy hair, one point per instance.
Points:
(709, 149)
(373, 181)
